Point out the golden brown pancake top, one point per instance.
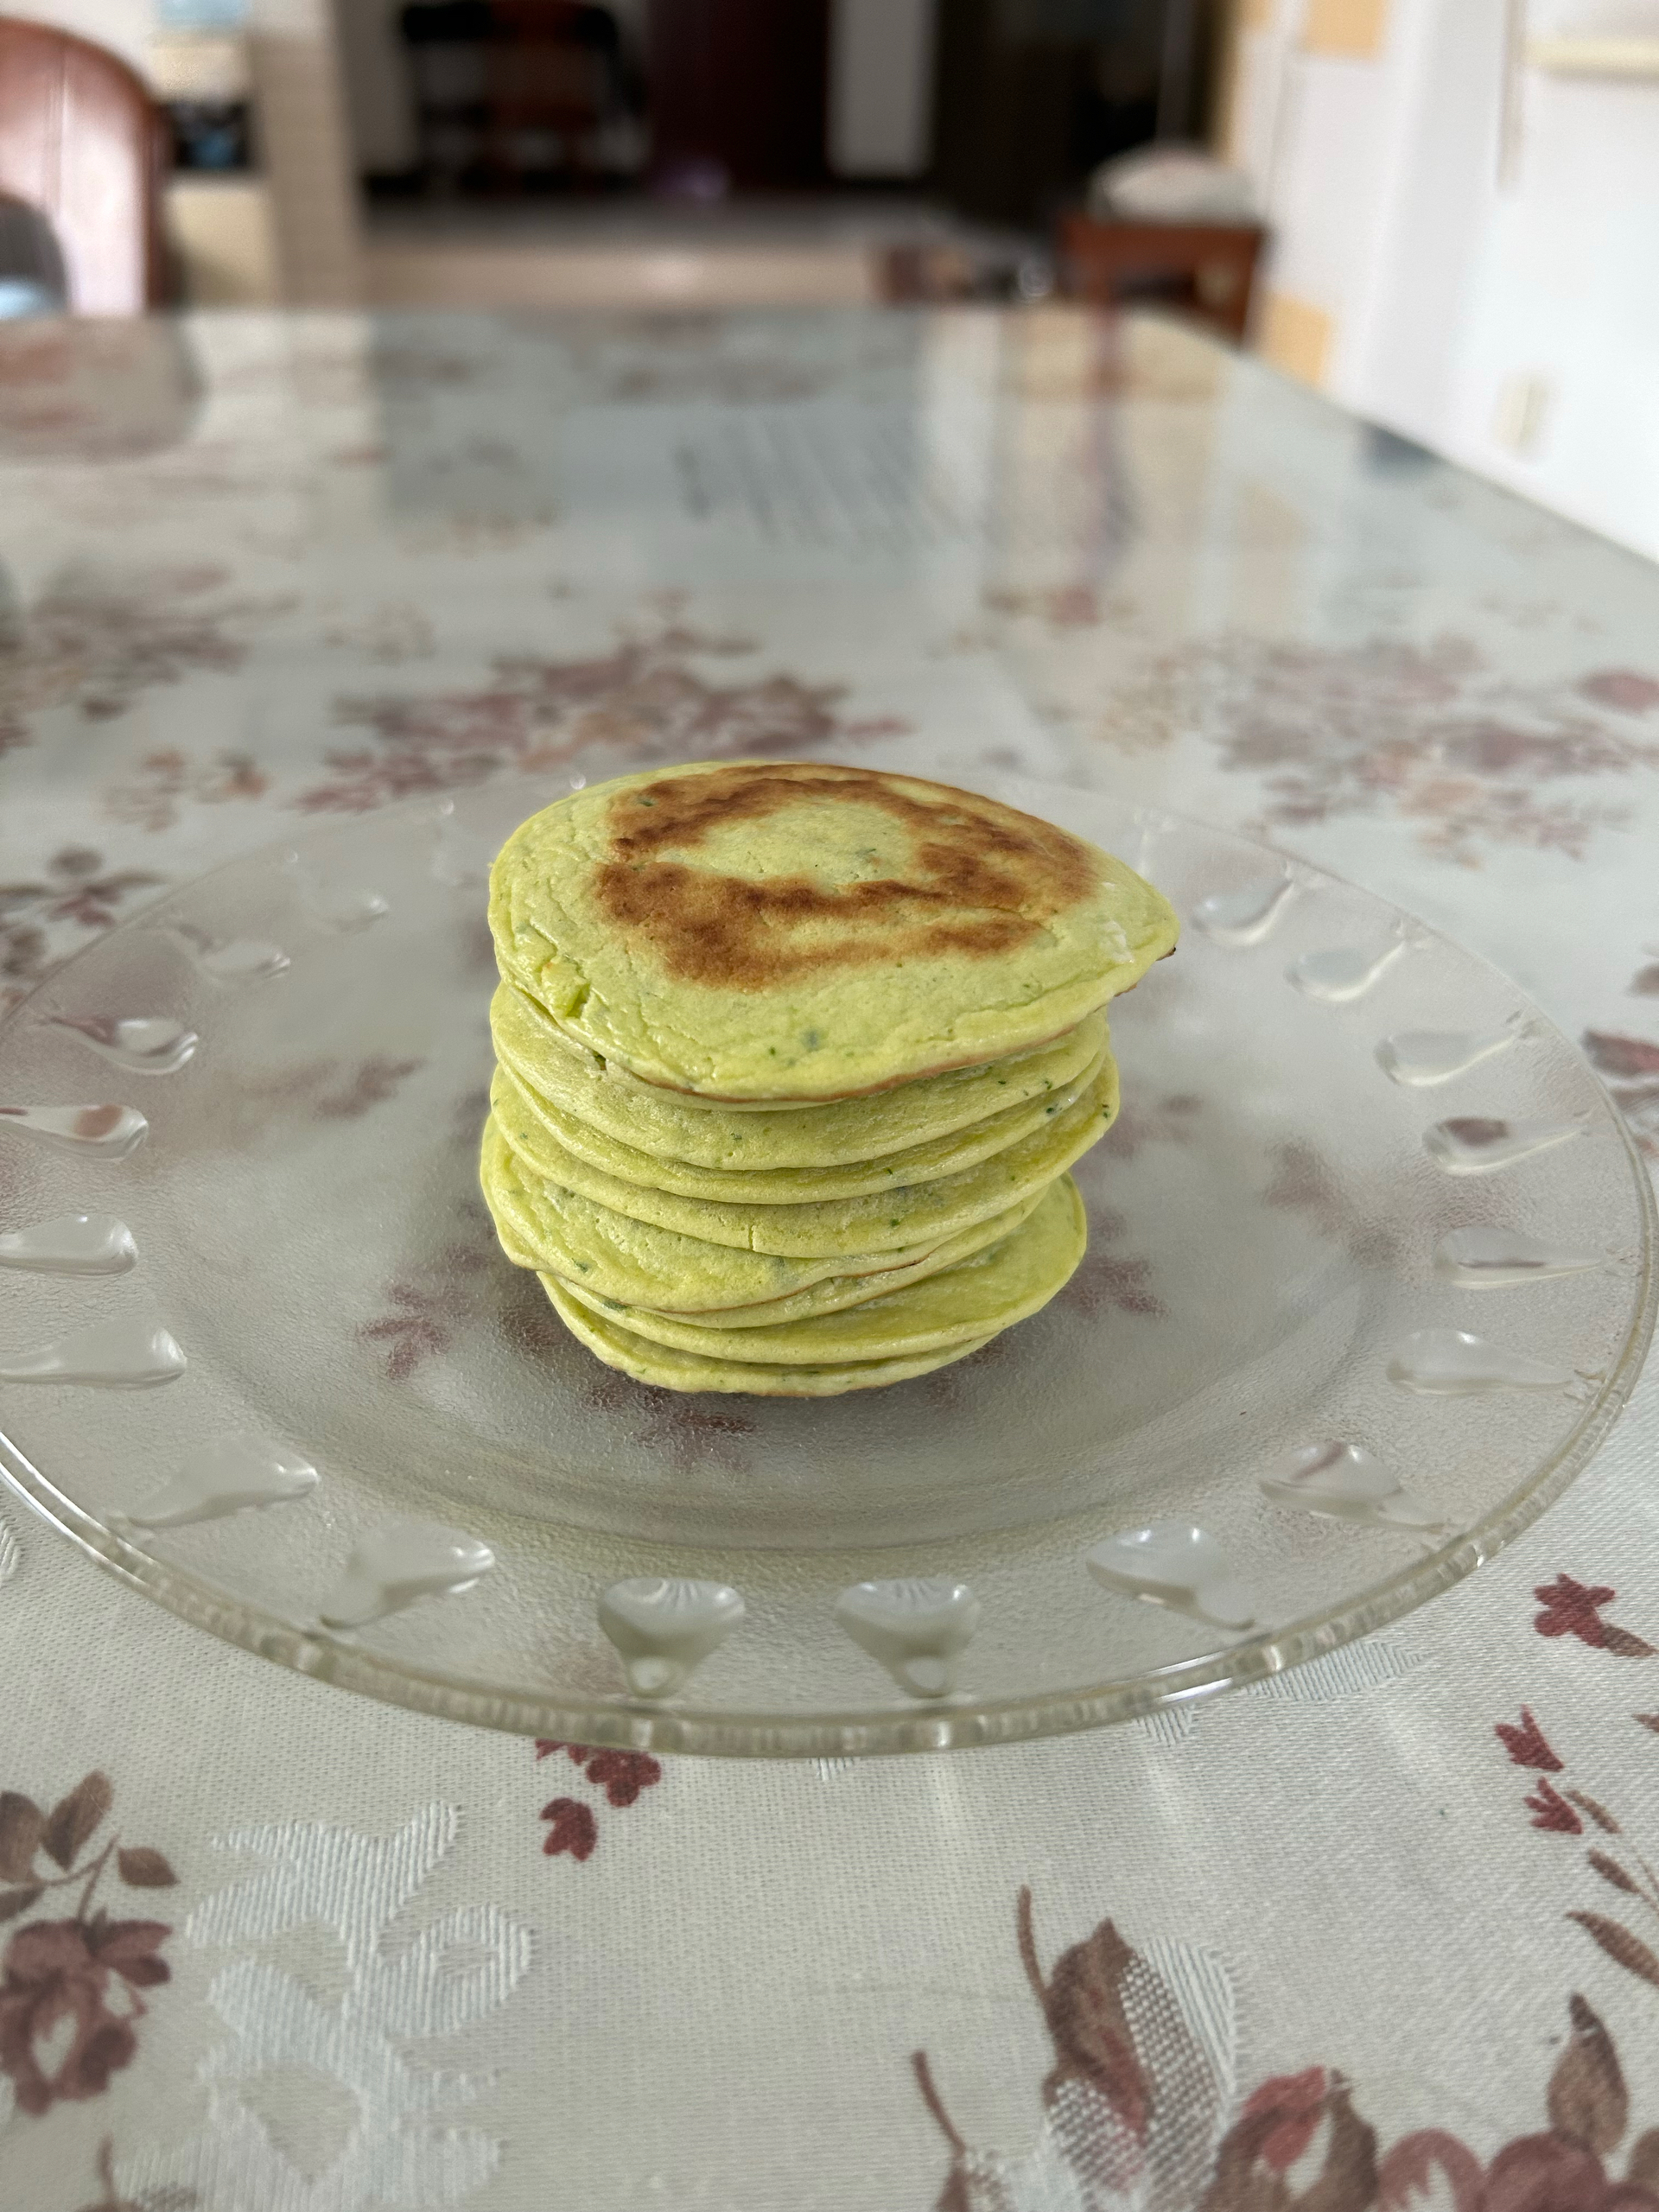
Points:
(979, 881)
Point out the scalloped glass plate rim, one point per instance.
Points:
(731, 1732)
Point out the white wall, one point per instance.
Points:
(1565, 299)
(1510, 322)
(1439, 185)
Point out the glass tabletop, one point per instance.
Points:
(258, 567)
(262, 572)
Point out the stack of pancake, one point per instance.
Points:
(792, 1062)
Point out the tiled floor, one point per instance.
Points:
(644, 254)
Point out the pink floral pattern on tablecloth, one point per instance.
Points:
(1573, 1608)
(84, 1972)
(644, 700)
(621, 1776)
(1139, 2108)
(1435, 733)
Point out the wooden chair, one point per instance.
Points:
(489, 74)
(447, 41)
(1205, 270)
(548, 69)
(81, 141)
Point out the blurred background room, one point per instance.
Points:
(415, 411)
(1443, 213)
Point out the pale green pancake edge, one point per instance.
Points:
(710, 1133)
(794, 1186)
(920, 1215)
(1005, 1283)
(540, 1226)
(665, 1368)
(837, 1293)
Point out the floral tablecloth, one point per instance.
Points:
(1384, 1931)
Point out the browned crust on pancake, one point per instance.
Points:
(982, 879)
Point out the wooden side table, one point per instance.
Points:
(1205, 269)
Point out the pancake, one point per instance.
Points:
(556, 1232)
(794, 931)
(910, 1217)
(837, 1293)
(712, 1133)
(1000, 1285)
(800, 1186)
(671, 1369)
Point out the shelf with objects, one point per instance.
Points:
(221, 222)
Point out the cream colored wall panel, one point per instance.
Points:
(1255, 75)
(303, 129)
(1355, 29)
(1296, 336)
(224, 234)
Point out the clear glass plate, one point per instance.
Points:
(1253, 1427)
